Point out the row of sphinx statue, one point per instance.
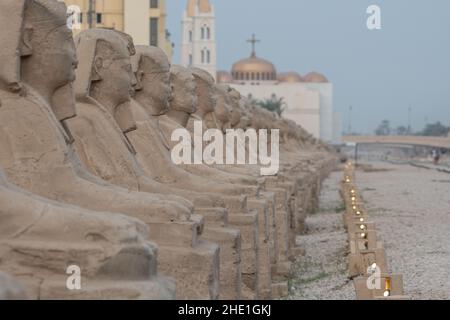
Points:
(87, 180)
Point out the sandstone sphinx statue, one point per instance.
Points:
(182, 106)
(235, 112)
(153, 93)
(300, 157)
(152, 97)
(42, 158)
(292, 192)
(104, 82)
(39, 237)
(153, 146)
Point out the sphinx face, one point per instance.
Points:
(184, 93)
(154, 92)
(53, 55)
(62, 61)
(116, 74)
(223, 110)
(236, 113)
(206, 97)
(48, 52)
(244, 122)
(245, 117)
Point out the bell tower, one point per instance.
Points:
(198, 44)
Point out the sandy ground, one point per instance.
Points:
(322, 273)
(411, 209)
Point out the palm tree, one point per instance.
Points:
(274, 104)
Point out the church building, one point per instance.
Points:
(308, 99)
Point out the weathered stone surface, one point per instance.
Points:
(11, 289)
(40, 238)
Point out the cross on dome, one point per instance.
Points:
(253, 41)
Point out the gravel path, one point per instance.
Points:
(411, 209)
(322, 273)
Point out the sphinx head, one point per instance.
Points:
(223, 110)
(105, 73)
(205, 91)
(184, 98)
(236, 107)
(245, 119)
(153, 90)
(38, 50)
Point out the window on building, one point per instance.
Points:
(208, 33)
(154, 4)
(208, 56)
(203, 56)
(190, 60)
(190, 36)
(203, 33)
(154, 31)
(99, 18)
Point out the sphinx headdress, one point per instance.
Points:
(49, 13)
(159, 63)
(87, 45)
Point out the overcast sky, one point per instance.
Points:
(380, 73)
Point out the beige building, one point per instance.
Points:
(144, 20)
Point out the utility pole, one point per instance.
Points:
(409, 120)
(91, 14)
(350, 109)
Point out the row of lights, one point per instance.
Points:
(351, 193)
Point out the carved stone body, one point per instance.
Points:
(39, 238)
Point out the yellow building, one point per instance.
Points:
(144, 20)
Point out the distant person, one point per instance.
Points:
(436, 155)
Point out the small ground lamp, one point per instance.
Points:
(387, 287)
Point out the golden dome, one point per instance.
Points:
(224, 77)
(254, 69)
(290, 77)
(315, 77)
(203, 6)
